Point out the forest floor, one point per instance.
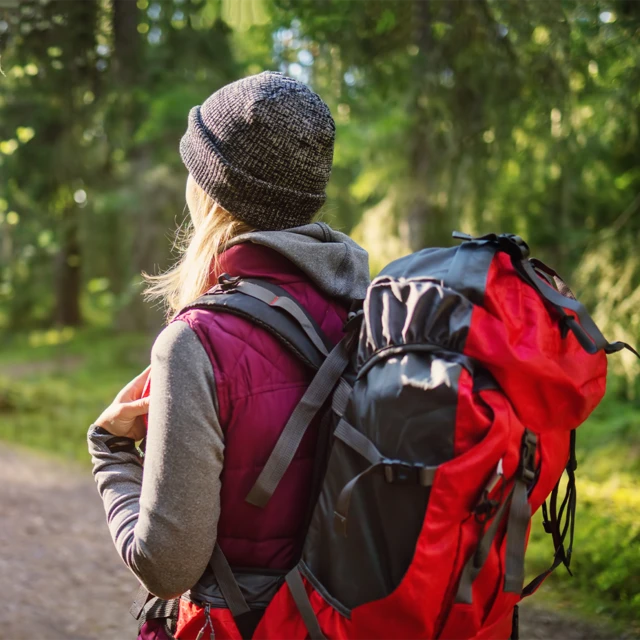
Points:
(64, 580)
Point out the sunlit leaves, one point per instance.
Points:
(556, 122)
(50, 337)
(8, 147)
(245, 14)
(541, 35)
(24, 134)
(97, 285)
(45, 239)
(440, 29)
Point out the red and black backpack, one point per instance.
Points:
(448, 412)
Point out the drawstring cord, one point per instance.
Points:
(207, 623)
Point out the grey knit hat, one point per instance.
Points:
(262, 148)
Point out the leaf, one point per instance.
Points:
(386, 21)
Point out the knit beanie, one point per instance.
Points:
(262, 148)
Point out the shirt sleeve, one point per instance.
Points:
(163, 521)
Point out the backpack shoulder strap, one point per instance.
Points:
(273, 309)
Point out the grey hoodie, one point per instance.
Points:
(163, 523)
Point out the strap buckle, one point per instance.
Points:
(508, 242)
(527, 468)
(400, 472)
(486, 507)
(354, 319)
(227, 282)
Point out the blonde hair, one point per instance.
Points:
(200, 245)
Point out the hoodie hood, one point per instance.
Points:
(331, 259)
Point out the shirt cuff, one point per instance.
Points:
(115, 444)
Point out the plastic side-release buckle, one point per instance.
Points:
(399, 472)
(226, 282)
(527, 468)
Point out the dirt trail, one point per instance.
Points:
(60, 577)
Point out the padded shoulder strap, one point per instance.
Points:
(273, 309)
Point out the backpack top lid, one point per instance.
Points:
(474, 300)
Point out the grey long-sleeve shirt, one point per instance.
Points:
(164, 526)
(183, 461)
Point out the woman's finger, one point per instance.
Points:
(133, 389)
(136, 408)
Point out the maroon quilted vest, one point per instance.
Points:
(258, 385)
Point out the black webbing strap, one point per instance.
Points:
(313, 399)
(515, 624)
(227, 583)
(520, 516)
(475, 563)
(224, 298)
(161, 609)
(341, 397)
(394, 471)
(277, 297)
(539, 579)
(559, 283)
(300, 597)
(358, 442)
(140, 601)
(553, 525)
(585, 331)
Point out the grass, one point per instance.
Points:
(53, 385)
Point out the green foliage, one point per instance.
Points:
(51, 392)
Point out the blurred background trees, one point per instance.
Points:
(484, 115)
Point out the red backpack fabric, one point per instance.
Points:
(448, 413)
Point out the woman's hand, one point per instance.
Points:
(123, 416)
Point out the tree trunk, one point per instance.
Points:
(68, 281)
(80, 33)
(125, 38)
(419, 214)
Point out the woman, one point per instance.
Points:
(259, 154)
